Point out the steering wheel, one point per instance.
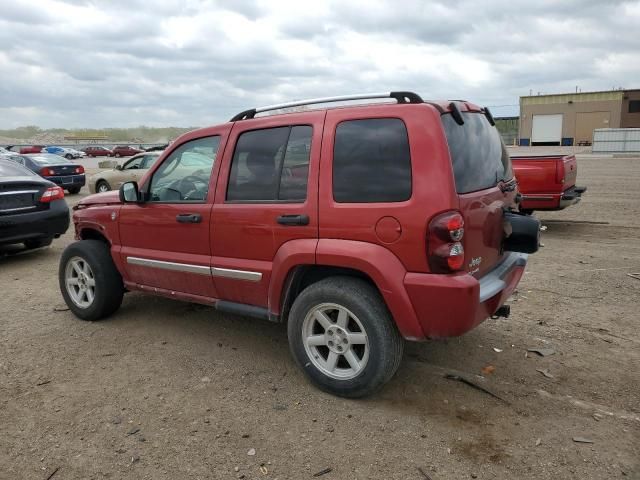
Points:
(188, 185)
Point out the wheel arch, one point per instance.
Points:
(370, 262)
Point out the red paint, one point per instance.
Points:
(543, 180)
(386, 242)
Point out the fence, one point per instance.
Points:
(616, 140)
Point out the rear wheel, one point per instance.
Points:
(117, 155)
(38, 242)
(74, 190)
(89, 281)
(343, 337)
(68, 156)
(103, 186)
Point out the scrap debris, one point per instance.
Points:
(466, 381)
(582, 440)
(424, 474)
(323, 472)
(544, 372)
(543, 352)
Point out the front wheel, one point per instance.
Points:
(343, 337)
(68, 156)
(89, 281)
(103, 186)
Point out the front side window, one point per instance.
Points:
(371, 161)
(184, 175)
(149, 160)
(271, 165)
(134, 163)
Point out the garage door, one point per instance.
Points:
(546, 129)
(587, 122)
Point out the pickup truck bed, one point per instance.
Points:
(547, 182)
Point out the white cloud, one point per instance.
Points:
(82, 63)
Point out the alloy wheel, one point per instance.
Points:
(335, 341)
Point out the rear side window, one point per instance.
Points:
(9, 169)
(371, 161)
(271, 165)
(480, 159)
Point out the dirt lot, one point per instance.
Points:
(171, 390)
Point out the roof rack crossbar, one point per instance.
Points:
(401, 97)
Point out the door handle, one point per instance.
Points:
(293, 219)
(189, 218)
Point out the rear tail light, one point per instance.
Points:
(47, 172)
(51, 194)
(444, 248)
(79, 169)
(560, 172)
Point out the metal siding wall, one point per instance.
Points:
(616, 140)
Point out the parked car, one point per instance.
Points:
(125, 151)
(54, 168)
(131, 170)
(31, 149)
(158, 148)
(547, 182)
(357, 226)
(32, 210)
(97, 151)
(68, 153)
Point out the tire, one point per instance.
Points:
(117, 155)
(378, 352)
(74, 190)
(107, 290)
(68, 156)
(102, 186)
(38, 242)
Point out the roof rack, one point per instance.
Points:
(401, 97)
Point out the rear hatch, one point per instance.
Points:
(485, 185)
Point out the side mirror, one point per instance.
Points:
(129, 193)
(118, 167)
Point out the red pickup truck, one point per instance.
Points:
(547, 182)
(358, 226)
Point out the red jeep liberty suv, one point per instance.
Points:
(359, 226)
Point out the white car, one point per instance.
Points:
(65, 152)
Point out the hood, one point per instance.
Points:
(106, 198)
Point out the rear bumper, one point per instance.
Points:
(68, 180)
(450, 305)
(552, 201)
(571, 196)
(45, 223)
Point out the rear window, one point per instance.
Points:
(480, 159)
(10, 169)
(49, 159)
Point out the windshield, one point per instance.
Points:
(479, 158)
(49, 159)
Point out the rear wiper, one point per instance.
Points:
(487, 114)
(509, 186)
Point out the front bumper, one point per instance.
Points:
(450, 305)
(52, 222)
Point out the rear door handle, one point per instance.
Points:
(293, 219)
(189, 218)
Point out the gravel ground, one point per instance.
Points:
(166, 389)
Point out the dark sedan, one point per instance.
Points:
(55, 168)
(32, 210)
